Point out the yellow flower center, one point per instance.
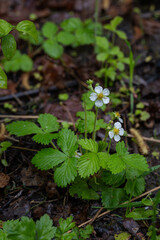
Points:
(116, 131)
(100, 96)
(117, 114)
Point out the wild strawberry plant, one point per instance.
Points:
(82, 162)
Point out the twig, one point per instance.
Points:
(106, 212)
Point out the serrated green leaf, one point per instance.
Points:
(28, 27)
(103, 159)
(49, 30)
(112, 197)
(89, 144)
(22, 128)
(85, 232)
(88, 164)
(5, 28)
(136, 187)
(132, 173)
(67, 141)
(3, 235)
(52, 48)
(44, 138)
(66, 38)
(90, 194)
(66, 173)
(116, 164)
(102, 146)
(8, 46)
(121, 149)
(114, 180)
(84, 36)
(136, 161)
(48, 123)
(3, 79)
(47, 158)
(44, 228)
(140, 213)
(10, 227)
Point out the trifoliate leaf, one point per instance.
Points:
(48, 123)
(116, 164)
(112, 197)
(102, 146)
(67, 141)
(22, 128)
(89, 144)
(49, 29)
(103, 159)
(136, 187)
(114, 180)
(44, 228)
(136, 161)
(66, 173)
(8, 46)
(88, 164)
(47, 158)
(44, 138)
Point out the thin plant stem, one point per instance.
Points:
(54, 146)
(95, 121)
(85, 112)
(109, 145)
(106, 135)
(96, 15)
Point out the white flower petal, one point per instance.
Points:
(120, 119)
(93, 96)
(111, 134)
(121, 131)
(98, 89)
(99, 103)
(117, 125)
(117, 138)
(105, 100)
(106, 92)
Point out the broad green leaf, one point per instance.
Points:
(88, 164)
(3, 235)
(52, 48)
(90, 194)
(135, 187)
(121, 34)
(121, 149)
(44, 228)
(102, 56)
(66, 38)
(71, 24)
(26, 64)
(140, 213)
(44, 138)
(102, 42)
(31, 40)
(47, 158)
(66, 173)
(136, 161)
(48, 123)
(67, 141)
(103, 159)
(116, 164)
(120, 66)
(112, 197)
(4, 146)
(132, 173)
(22, 128)
(84, 36)
(102, 146)
(26, 229)
(28, 27)
(49, 30)
(5, 28)
(144, 116)
(8, 46)
(114, 180)
(89, 144)
(3, 79)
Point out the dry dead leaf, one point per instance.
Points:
(4, 180)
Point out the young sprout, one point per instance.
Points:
(118, 116)
(116, 132)
(100, 96)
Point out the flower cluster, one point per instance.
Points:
(100, 96)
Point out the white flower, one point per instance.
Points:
(116, 132)
(100, 96)
(118, 116)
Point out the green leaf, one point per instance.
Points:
(5, 28)
(112, 197)
(136, 161)
(28, 27)
(136, 187)
(3, 79)
(44, 138)
(102, 42)
(132, 173)
(67, 141)
(49, 30)
(66, 38)
(48, 123)
(116, 21)
(26, 63)
(102, 56)
(84, 36)
(88, 164)
(121, 149)
(8, 46)
(52, 48)
(140, 213)
(71, 24)
(22, 128)
(47, 158)
(44, 228)
(102, 146)
(144, 116)
(3, 235)
(89, 144)
(64, 227)
(85, 232)
(114, 180)
(4, 146)
(103, 159)
(121, 34)
(116, 164)
(66, 173)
